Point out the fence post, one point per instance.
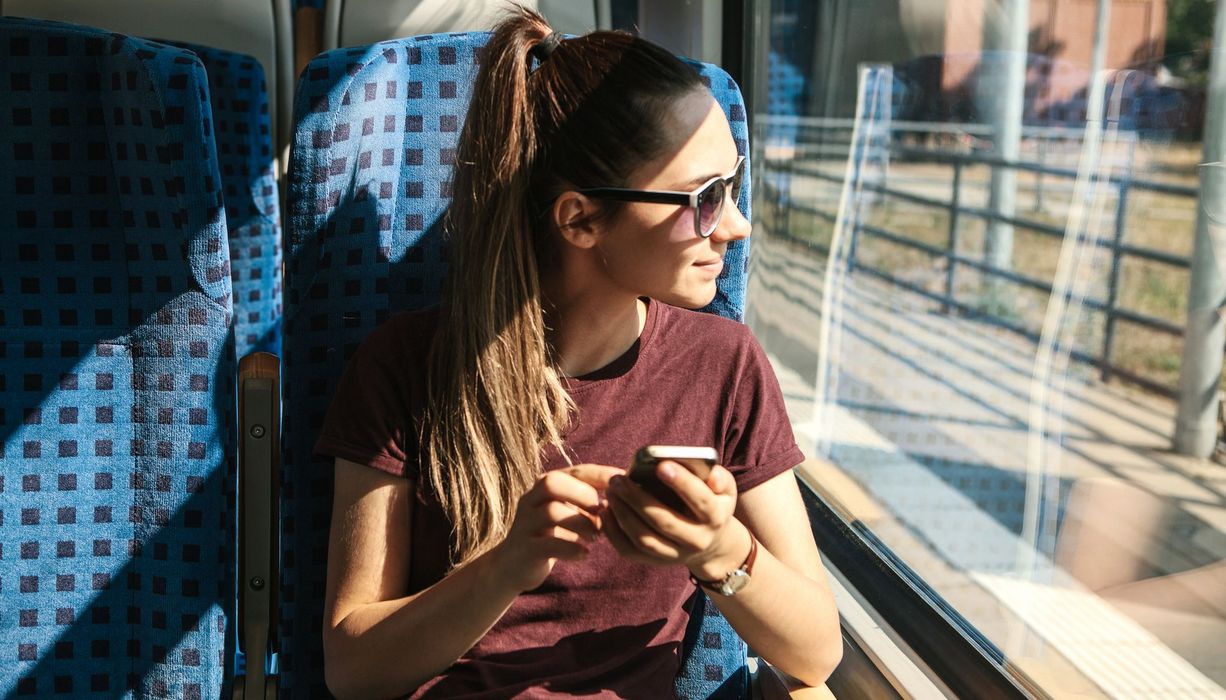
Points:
(851, 247)
(955, 204)
(785, 193)
(1200, 368)
(1113, 283)
(1040, 151)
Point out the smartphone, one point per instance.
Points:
(699, 460)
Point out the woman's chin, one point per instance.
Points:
(695, 298)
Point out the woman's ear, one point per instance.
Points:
(575, 217)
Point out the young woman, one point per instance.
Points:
(485, 541)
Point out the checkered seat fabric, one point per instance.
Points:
(116, 364)
(243, 131)
(370, 176)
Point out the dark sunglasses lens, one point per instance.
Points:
(735, 183)
(710, 202)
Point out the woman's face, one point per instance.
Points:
(652, 249)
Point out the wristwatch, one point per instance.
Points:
(736, 579)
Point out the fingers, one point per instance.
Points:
(566, 486)
(557, 548)
(565, 517)
(639, 507)
(567, 533)
(721, 481)
(566, 512)
(556, 518)
(621, 542)
(641, 535)
(707, 500)
(595, 475)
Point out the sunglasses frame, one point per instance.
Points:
(689, 199)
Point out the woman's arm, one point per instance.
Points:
(787, 612)
(372, 629)
(369, 622)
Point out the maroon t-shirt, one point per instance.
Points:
(606, 626)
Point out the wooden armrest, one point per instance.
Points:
(259, 464)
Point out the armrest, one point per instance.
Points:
(259, 464)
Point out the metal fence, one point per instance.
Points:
(955, 208)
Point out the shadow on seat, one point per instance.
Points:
(117, 368)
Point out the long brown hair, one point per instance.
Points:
(587, 116)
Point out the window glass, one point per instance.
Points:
(988, 261)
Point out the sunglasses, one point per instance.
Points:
(707, 200)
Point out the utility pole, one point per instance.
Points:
(1102, 22)
(1201, 368)
(1006, 38)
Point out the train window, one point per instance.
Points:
(988, 261)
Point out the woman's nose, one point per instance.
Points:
(733, 226)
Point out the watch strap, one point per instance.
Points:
(747, 567)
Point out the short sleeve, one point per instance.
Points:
(758, 440)
(367, 420)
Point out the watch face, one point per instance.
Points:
(735, 582)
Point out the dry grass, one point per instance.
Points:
(1157, 221)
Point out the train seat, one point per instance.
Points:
(258, 27)
(375, 137)
(243, 131)
(116, 370)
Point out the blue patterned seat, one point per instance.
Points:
(375, 137)
(242, 128)
(116, 365)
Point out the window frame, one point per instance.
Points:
(967, 662)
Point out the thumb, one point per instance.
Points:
(721, 481)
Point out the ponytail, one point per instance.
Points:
(496, 400)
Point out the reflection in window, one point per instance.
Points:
(988, 250)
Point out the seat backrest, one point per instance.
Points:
(116, 364)
(376, 132)
(260, 27)
(245, 158)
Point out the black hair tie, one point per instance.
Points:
(546, 47)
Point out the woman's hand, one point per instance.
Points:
(709, 541)
(558, 518)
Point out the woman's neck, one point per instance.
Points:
(589, 331)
